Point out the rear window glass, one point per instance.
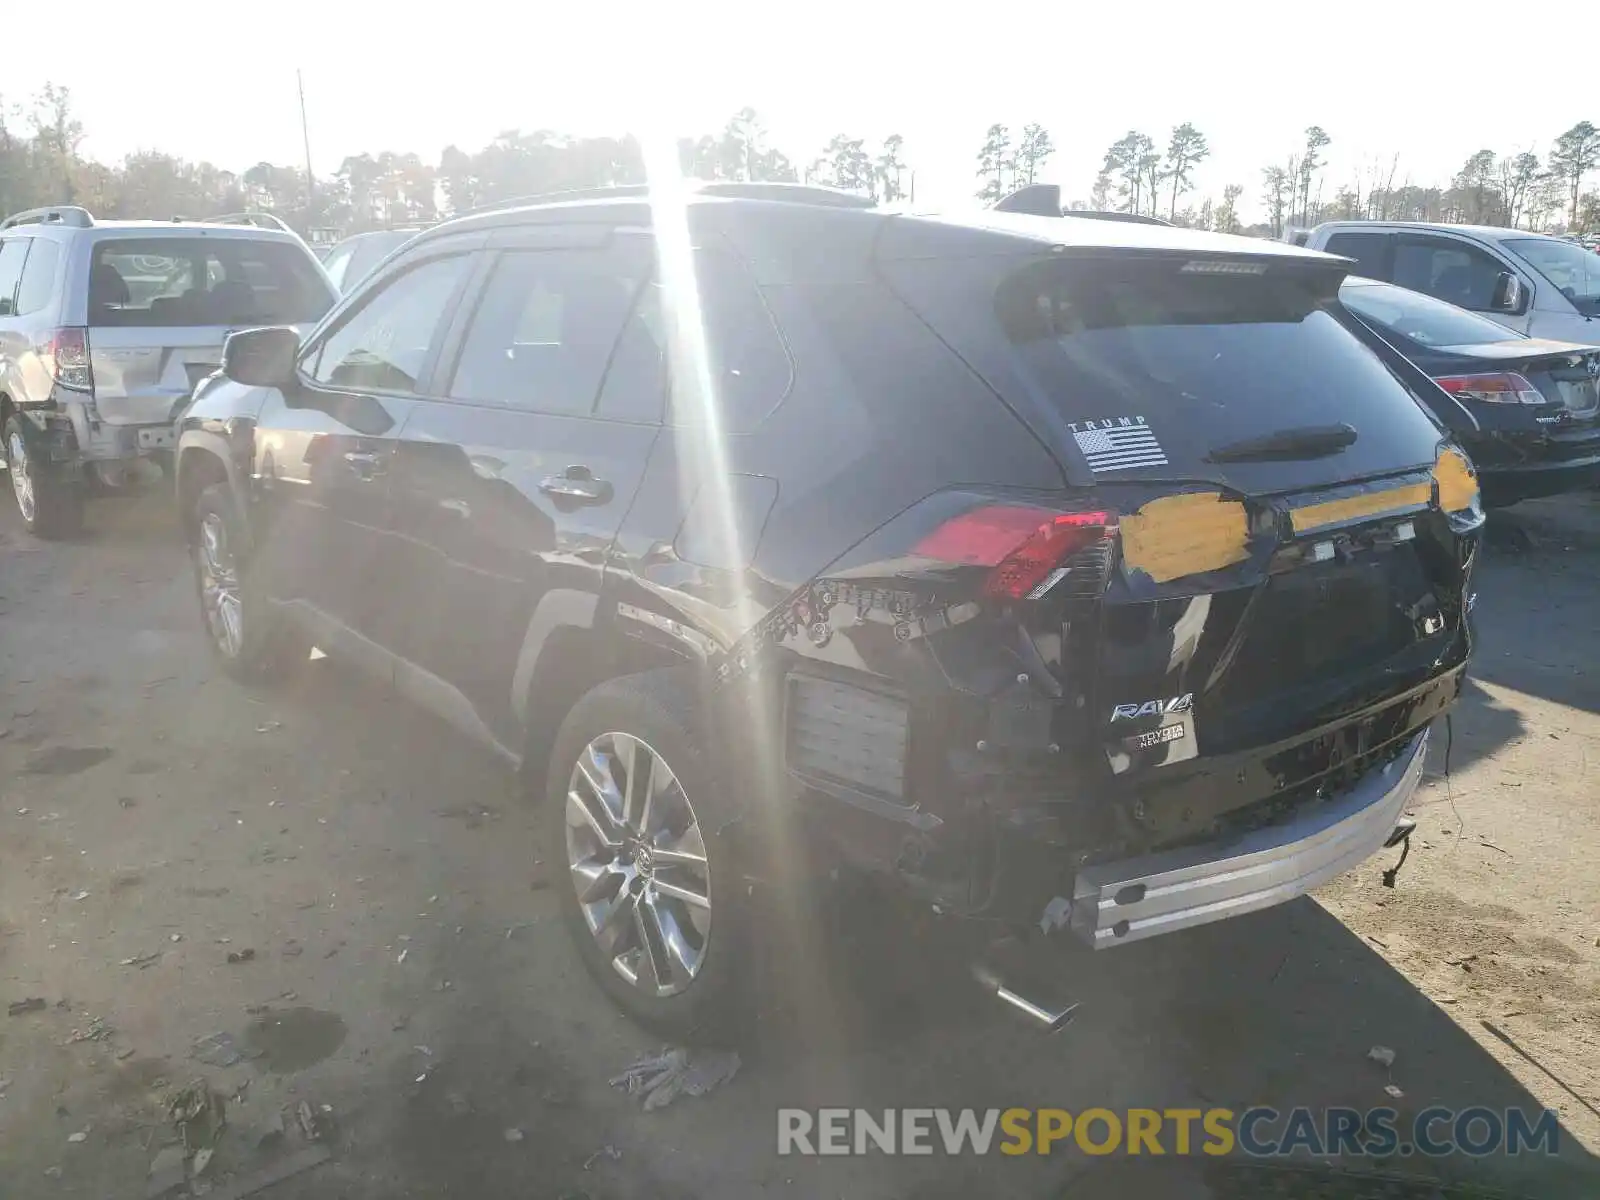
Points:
(1204, 360)
(1424, 320)
(165, 282)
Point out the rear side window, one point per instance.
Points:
(171, 281)
(1366, 248)
(13, 251)
(38, 277)
(746, 361)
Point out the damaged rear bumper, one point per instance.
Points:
(1124, 901)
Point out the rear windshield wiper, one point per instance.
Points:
(1311, 441)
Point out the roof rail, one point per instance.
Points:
(261, 220)
(70, 215)
(793, 193)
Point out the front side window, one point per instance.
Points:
(545, 329)
(384, 344)
(1451, 270)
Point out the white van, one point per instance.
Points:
(1542, 286)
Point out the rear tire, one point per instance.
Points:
(652, 894)
(251, 640)
(50, 507)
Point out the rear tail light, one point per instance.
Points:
(66, 356)
(1023, 547)
(1500, 387)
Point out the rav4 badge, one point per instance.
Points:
(1153, 708)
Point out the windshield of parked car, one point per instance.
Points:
(1424, 320)
(169, 281)
(1569, 266)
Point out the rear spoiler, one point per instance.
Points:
(1044, 200)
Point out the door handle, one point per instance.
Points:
(577, 483)
(365, 463)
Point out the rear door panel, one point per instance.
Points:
(482, 540)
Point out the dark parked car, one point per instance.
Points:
(1012, 559)
(1527, 410)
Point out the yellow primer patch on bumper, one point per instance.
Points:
(1353, 508)
(1183, 535)
(1458, 484)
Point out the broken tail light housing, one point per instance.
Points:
(1497, 387)
(1024, 547)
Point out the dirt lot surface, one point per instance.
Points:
(407, 980)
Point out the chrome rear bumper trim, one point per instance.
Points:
(1160, 893)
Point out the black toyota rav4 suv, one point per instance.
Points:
(1089, 577)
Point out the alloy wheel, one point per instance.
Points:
(638, 863)
(219, 585)
(21, 477)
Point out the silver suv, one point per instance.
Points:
(106, 328)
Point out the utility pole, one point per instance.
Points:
(305, 134)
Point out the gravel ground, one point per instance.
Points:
(403, 973)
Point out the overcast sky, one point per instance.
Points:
(217, 81)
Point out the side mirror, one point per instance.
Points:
(1509, 295)
(262, 357)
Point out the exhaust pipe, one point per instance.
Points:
(1053, 1018)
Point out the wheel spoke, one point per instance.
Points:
(591, 800)
(596, 880)
(617, 922)
(596, 816)
(628, 755)
(682, 958)
(687, 893)
(651, 953)
(667, 856)
(641, 792)
(232, 620)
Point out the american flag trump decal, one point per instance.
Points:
(1118, 444)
